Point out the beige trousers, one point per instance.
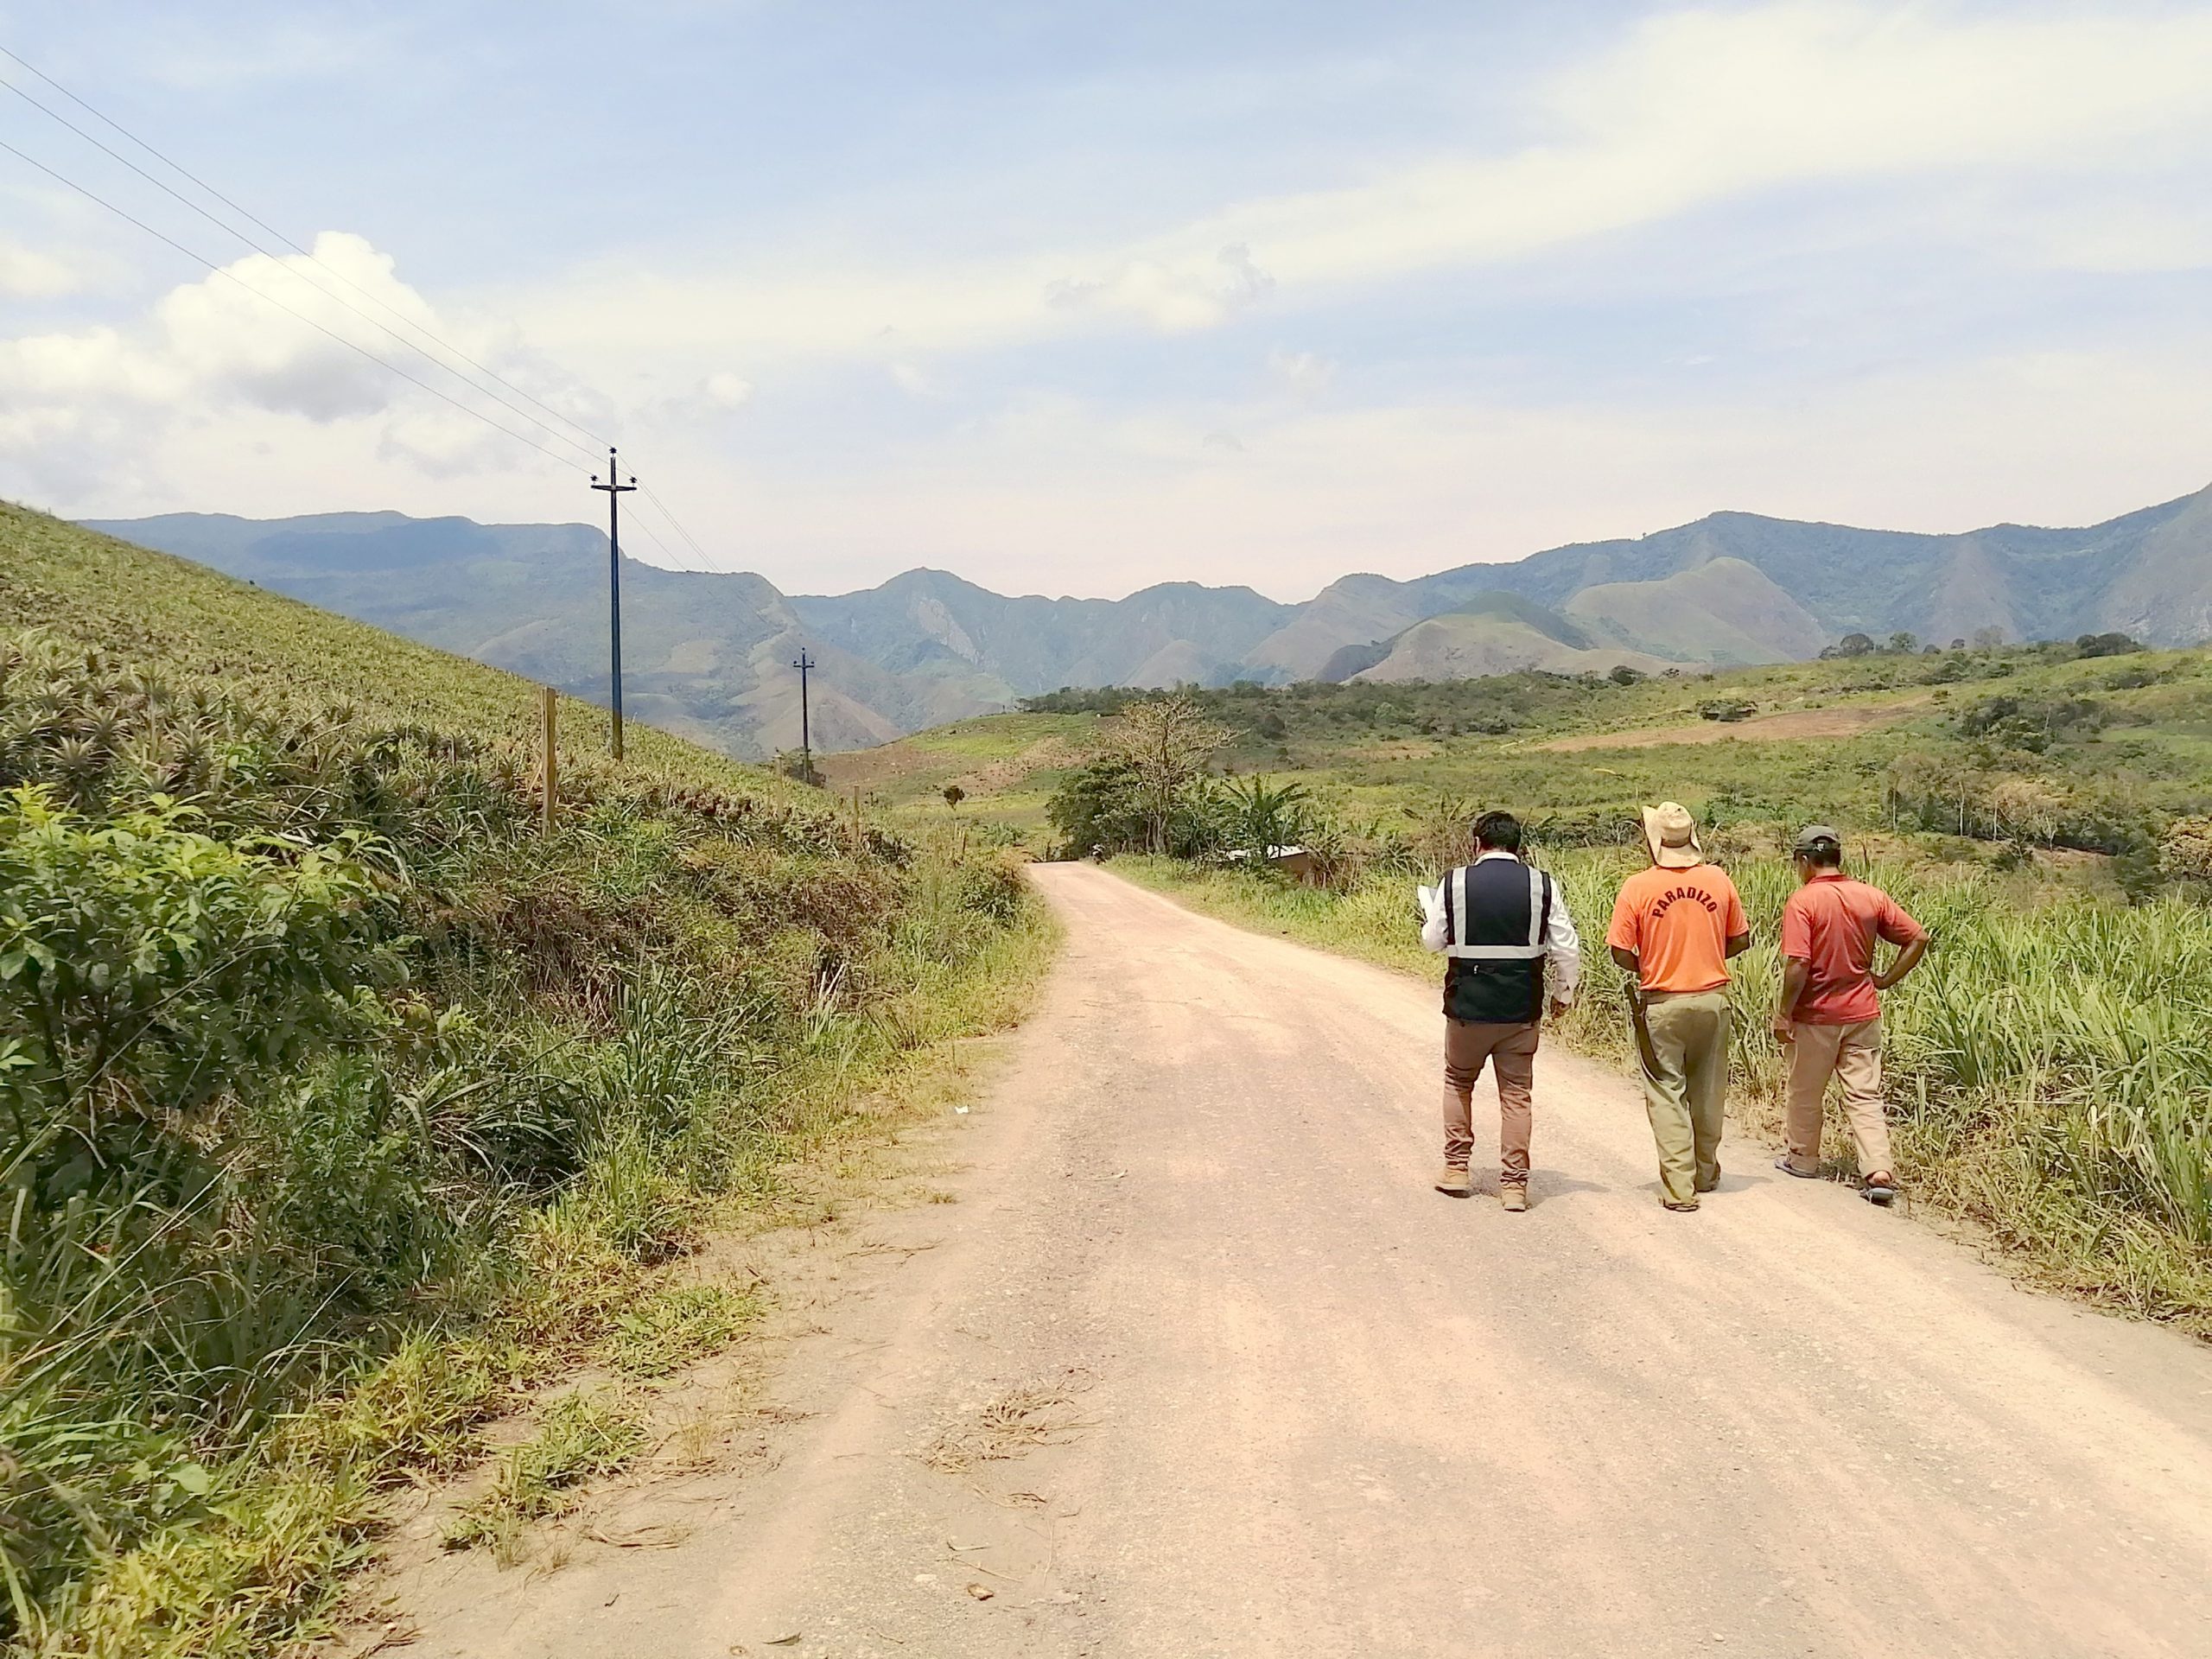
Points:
(1853, 1055)
(1511, 1050)
(1683, 1039)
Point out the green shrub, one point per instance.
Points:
(341, 1105)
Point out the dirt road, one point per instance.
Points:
(1198, 1364)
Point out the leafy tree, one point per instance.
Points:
(1097, 808)
(954, 795)
(1168, 743)
(1904, 640)
(798, 765)
(2106, 645)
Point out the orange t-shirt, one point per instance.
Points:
(1678, 922)
(1830, 925)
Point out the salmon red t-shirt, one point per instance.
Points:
(1830, 925)
(1678, 922)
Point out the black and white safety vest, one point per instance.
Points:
(1497, 912)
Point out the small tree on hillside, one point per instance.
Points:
(954, 795)
(1166, 743)
(2106, 645)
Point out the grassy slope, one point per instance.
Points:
(1008, 763)
(1393, 756)
(150, 609)
(704, 974)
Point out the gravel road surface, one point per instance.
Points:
(1196, 1364)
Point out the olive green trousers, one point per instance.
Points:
(1683, 1039)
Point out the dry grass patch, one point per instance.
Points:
(1007, 1426)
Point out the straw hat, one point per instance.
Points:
(1672, 834)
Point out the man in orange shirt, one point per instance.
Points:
(1829, 1022)
(1675, 927)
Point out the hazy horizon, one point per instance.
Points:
(631, 552)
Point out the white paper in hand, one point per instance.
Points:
(1431, 899)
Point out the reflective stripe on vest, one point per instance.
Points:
(1459, 922)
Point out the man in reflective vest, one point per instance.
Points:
(1511, 949)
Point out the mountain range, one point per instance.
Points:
(709, 655)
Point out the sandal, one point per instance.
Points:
(1783, 1164)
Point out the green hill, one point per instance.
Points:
(1722, 612)
(1489, 635)
(342, 1106)
(709, 654)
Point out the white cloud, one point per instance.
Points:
(28, 275)
(1301, 373)
(1692, 108)
(726, 390)
(219, 347)
(1058, 492)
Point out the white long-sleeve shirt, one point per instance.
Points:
(1563, 946)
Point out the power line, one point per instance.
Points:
(351, 346)
(336, 299)
(682, 530)
(655, 539)
(667, 512)
(598, 440)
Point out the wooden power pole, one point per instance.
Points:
(615, 491)
(547, 714)
(806, 665)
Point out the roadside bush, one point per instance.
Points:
(339, 1103)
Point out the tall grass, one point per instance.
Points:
(2050, 1069)
(343, 1106)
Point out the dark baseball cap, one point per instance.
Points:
(1813, 834)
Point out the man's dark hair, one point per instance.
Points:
(1822, 854)
(1500, 831)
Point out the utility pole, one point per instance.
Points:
(548, 716)
(615, 491)
(806, 665)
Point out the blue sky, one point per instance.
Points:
(1081, 297)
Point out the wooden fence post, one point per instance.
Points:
(549, 766)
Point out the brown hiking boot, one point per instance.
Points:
(1454, 1182)
(1515, 1195)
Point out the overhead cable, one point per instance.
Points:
(231, 276)
(336, 299)
(598, 440)
(667, 512)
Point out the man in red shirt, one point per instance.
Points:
(1829, 1022)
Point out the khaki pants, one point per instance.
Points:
(1682, 1039)
(1511, 1050)
(1853, 1055)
